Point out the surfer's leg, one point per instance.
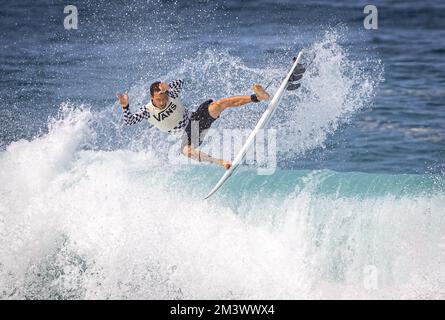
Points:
(218, 106)
(194, 133)
(215, 108)
(197, 155)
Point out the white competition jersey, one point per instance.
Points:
(171, 119)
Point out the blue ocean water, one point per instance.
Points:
(91, 208)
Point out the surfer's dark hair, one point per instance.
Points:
(154, 88)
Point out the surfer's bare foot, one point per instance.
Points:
(226, 164)
(261, 94)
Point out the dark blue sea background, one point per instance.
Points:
(119, 43)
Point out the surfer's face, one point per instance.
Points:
(159, 99)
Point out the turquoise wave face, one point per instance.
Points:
(323, 183)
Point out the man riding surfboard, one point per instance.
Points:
(167, 113)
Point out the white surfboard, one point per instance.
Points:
(260, 125)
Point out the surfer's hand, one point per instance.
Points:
(123, 99)
(164, 87)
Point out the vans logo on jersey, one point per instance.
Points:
(166, 112)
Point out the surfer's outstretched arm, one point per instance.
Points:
(200, 156)
(131, 118)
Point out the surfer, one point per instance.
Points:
(167, 113)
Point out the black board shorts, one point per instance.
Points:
(200, 121)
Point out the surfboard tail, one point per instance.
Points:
(220, 183)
